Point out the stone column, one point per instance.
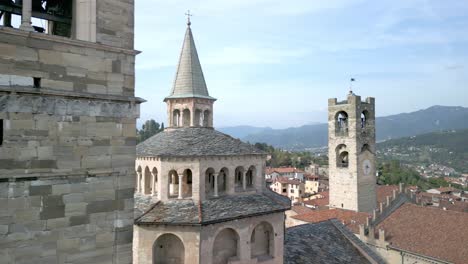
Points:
(138, 187)
(216, 184)
(26, 16)
(180, 186)
(244, 182)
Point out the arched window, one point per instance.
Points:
(175, 118)
(225, 246)
(186, 118)
(341, 123)
(154, 173)
(366, 147)
(262, 241)
(239, 174)
(206, 118)
(222, 180)
(198, 118)
(187, 183)
(250, 175)
(209, 181)
(364, 118)
(342, 156)
(168, 248)
(173, 183)
(147, 181)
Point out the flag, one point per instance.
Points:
(352, 79)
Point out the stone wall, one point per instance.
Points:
(68, 151)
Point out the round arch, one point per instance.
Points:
(176, 118)
(223, 180)
(342, 156)
(250, 176)
(147, 181)
(262, 240)
(364, 118)
(239, 177)
(225, 246)
(173, 183)
(186, 118)
(168, 249)
(341, 123)
(209, 181)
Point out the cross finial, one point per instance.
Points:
(188, 17)
(351, 85)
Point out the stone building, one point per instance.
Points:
(201, 196)
(67, 132)
(291, 188)
(351, 146)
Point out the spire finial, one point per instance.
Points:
(188, 18)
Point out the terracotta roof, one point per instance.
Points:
(350, 219)
(454, 206)
(299, 209)
(385, 190)
(308, 176)
(287, 180)
(447, 189)
(283, 170)
(318, 202)
(428, 231)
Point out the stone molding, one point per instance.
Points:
(55, 104)
(65, 40)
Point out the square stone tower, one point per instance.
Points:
(67, 131)
(351, 144)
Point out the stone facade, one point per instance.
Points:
(351, 144)
(67, 155)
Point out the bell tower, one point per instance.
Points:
(189, 104)
(351, 146)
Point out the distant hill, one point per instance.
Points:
(436, 118)
(448, 148)
(243, 131)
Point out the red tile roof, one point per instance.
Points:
(350, 219)
(428, 231)
(385, 190)
(299, 209)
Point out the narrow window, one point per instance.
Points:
(37, 82)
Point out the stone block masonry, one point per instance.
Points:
(67, 152)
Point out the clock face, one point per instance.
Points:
(367, 167)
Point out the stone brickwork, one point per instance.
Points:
(67, 155)
(351, 143)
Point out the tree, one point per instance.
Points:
(149, 129)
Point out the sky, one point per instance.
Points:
(275, 63)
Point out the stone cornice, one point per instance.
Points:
(61, 105)
(65, 40)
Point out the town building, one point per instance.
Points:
(351, 146)
(312, 184)
(67, 131)
(201, 196)
(287, 172)
(294, 189)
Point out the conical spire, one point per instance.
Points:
(189, 81)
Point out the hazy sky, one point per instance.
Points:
(275, 62)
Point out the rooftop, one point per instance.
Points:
(283, 170)
(428, 231)
(350, 219)
(225, 208)
(320, 243)
(286, 180)
(193, 141)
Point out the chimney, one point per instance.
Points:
(381, 207)
(382, 235)
(388, 200)
(394, 194)
(374, 215)
(401, 187)
(362, 232)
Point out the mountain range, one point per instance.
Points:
(435, 118)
